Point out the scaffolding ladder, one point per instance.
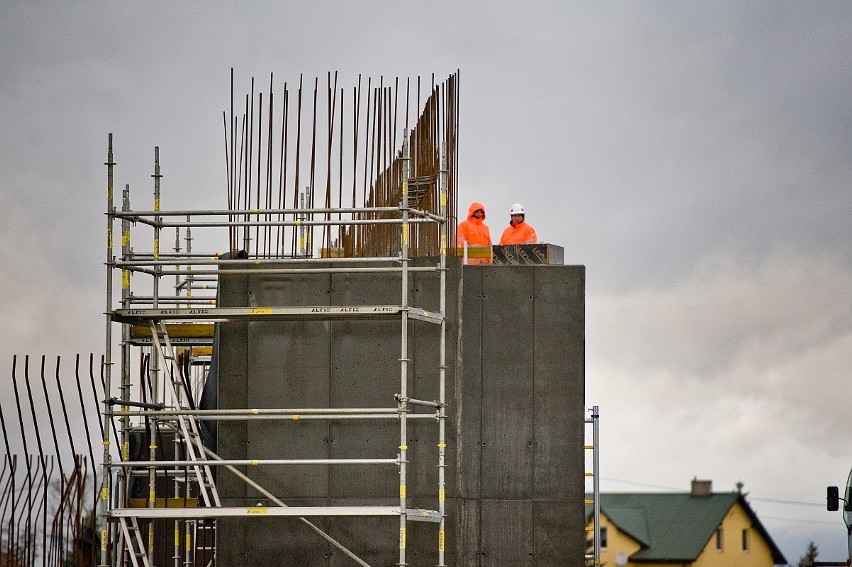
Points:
(188, 431)
(133, 541)
(592, 473)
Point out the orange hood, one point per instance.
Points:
(475, 206)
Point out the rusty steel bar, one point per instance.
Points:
(267, 230)
(24, 519)
(332, 107)
(50, 416)
(41, 509)
(257, 191)
(66, 515)
(7, 498)
(26, 510)
(8, 495)
(64, 408)
(91, 523)
(42, 460)
(296, 187)
(312, 187)
(340, 173)
(230, 159)
(42, 522)
(282, 172)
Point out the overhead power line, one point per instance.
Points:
(751, 496)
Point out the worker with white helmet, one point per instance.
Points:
(518, 231)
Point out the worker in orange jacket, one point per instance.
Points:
(518, 231)
(475, 233)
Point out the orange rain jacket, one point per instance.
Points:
(521, 233)
(475, 232)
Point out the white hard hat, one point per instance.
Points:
(517, 209)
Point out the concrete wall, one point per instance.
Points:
(515, 434)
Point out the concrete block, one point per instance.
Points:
(515, 355)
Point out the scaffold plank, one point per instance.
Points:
(261, 511)
(318, 312)
(198, 334)
(176, 331)
(423, 315)
(421, 515)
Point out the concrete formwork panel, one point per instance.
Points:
(507, 377)
(558, 365)
(515, 433)
(507, 533)
(467, 391)
(524, 329)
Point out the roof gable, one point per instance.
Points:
(670, 526)
(630, 521)
(675, 526)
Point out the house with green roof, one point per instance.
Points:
(699, 528)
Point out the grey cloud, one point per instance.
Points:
(693, 157)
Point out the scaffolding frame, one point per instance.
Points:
(593, 422)
(165, 404)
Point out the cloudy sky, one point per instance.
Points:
(697, 159)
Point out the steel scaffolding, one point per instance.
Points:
(143, 482)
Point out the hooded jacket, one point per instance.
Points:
(474, 231)
(520, 233)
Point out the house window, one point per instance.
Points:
(718, 539)
(745, 541)
(603, 537)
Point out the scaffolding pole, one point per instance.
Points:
(107, 418)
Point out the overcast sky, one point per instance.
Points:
(697, 159)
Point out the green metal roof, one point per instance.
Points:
(674, 526)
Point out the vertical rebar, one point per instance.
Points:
(230, 174)
(50, 416)
(356, 127)
(340, 175)
(257, 191)
(232, 180)
(312, 190)
(282, 173)
(64, 412)
(88, 440)
(245, 164)
(332, 103)
(296, 188)
(267, 229)
(8, 504)
(41, 460)
(4, 496)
